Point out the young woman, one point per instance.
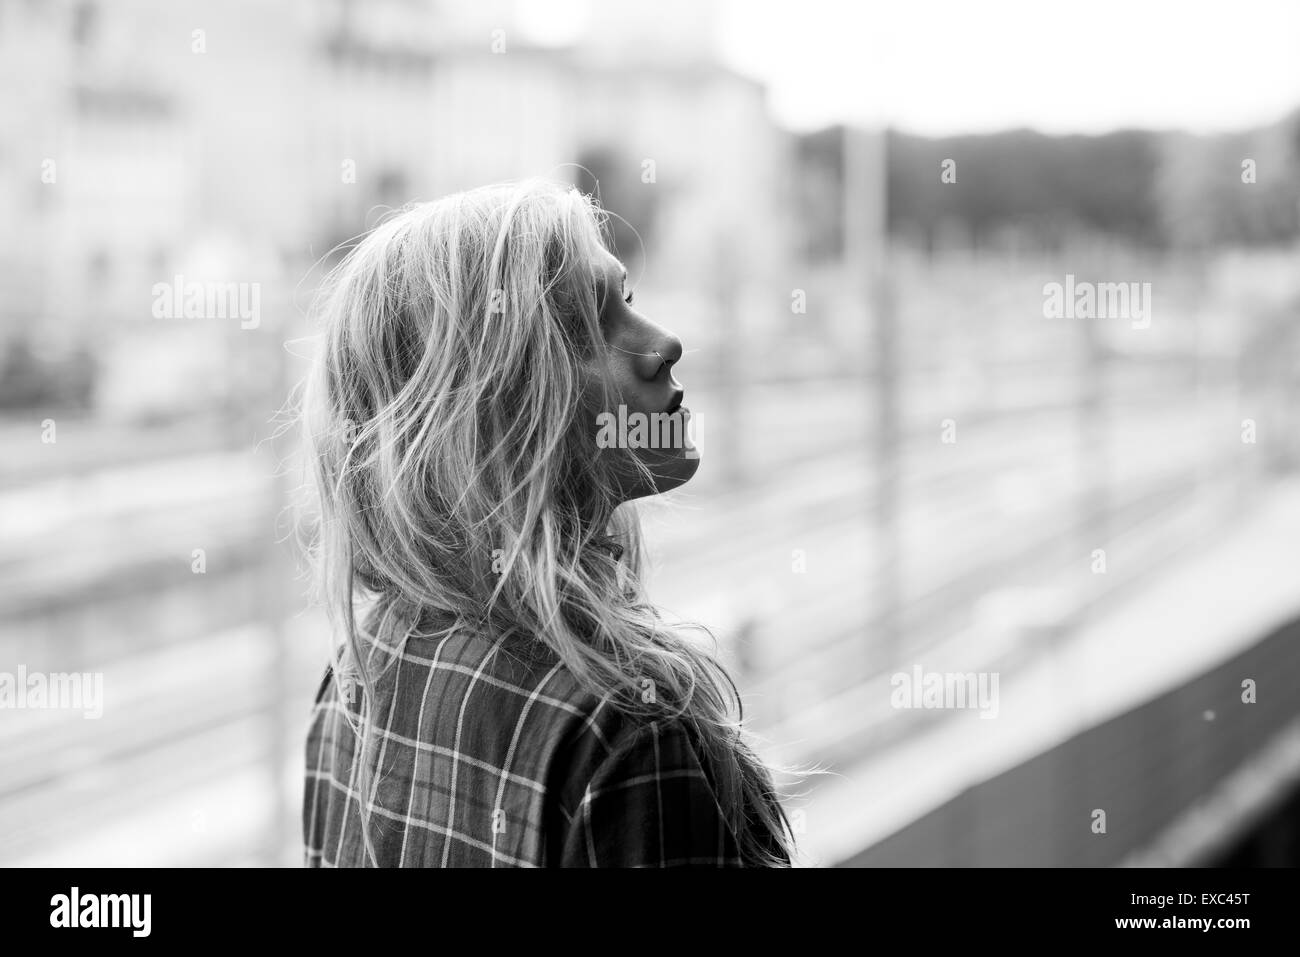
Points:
(502, 693)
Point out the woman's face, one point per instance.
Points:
(638, 370)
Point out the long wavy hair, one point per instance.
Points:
(449, 418)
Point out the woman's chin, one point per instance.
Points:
(676, 471)
(668, 471)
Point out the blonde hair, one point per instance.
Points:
(455, 471)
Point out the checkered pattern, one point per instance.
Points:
(493, 756)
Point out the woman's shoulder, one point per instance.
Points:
(481, 681)
(523, 688)
(516, 698)
(505, 700)
(479, 695)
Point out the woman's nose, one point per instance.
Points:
(671, 350)
(666, 351)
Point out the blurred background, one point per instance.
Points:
(851, 215)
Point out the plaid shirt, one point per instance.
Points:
(490, 758)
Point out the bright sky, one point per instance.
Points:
(938, 67)
(950, 67)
